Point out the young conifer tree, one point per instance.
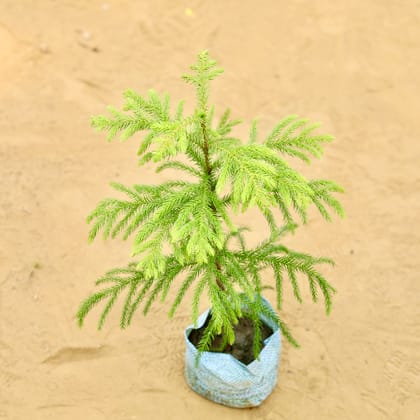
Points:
(194, 218)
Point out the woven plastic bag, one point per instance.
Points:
(225, 380)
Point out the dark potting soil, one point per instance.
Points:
(242, 348)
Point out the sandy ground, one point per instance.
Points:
(353, 65)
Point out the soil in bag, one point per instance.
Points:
(242, 348)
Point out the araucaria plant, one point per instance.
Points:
(185, 229)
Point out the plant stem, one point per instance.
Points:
(209, 174)
(206, 147)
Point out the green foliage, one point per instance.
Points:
(193, 219)
(284, 138)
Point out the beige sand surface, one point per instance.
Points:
(351, 64)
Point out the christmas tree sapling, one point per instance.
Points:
(194, 218)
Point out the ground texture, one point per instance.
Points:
(353, 65)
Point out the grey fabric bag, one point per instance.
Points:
(225, 380)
